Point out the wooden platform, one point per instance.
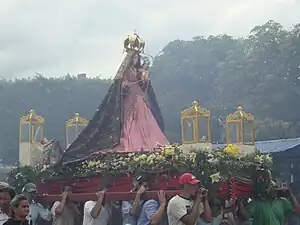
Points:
(110, 196)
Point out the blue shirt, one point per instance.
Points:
(129, 219)
(148, 209)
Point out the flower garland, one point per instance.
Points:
(204, 164)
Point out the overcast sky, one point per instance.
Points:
(56, 37)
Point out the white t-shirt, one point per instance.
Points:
(3, 218)
(102, 219)
(67, 217)
(177, 208)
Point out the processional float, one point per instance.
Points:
(125, 105)
(108, 134)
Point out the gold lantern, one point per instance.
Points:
(240, 127)
(195, 125)
(31, 128)
(74, 127)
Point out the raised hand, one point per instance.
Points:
(100, 194)
(203, 193)
(161, 197)
(141, 190)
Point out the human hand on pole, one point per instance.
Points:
(141, 190)
(161, 197)
(101, 194)
(66, 192)
(203, 193)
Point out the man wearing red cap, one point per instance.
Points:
(190, 204)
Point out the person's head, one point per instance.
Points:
(189, 184)
(6, 195)
(140, 181)
(20, 207)
(30, 191)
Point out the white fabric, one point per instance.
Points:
(54, 207)
(3, 218)
(177, 208)
(67, 217)
(102, 219)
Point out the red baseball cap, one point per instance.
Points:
(188, 178)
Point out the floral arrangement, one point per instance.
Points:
(206, 165)
(232, 149)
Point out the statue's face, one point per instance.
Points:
(135, 59)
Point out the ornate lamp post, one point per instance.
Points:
(240, 127)
(31, 134)
(195, 124)
(74, 127)
(31, 128)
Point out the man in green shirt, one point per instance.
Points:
(270, 211)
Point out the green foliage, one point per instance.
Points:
(260, 71)
(19, 176)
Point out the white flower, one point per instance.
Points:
(45, 167)
(19, 176)
(213, 160)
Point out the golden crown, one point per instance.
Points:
(133, 42)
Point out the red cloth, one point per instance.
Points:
(124, 184)
(118, 184)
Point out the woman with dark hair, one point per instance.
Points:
(19, 211)
(6, 195)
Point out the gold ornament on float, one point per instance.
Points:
(240, 127)
(31, 127)
(195, 124)
(74, 127)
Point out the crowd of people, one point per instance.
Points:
(192, 206)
